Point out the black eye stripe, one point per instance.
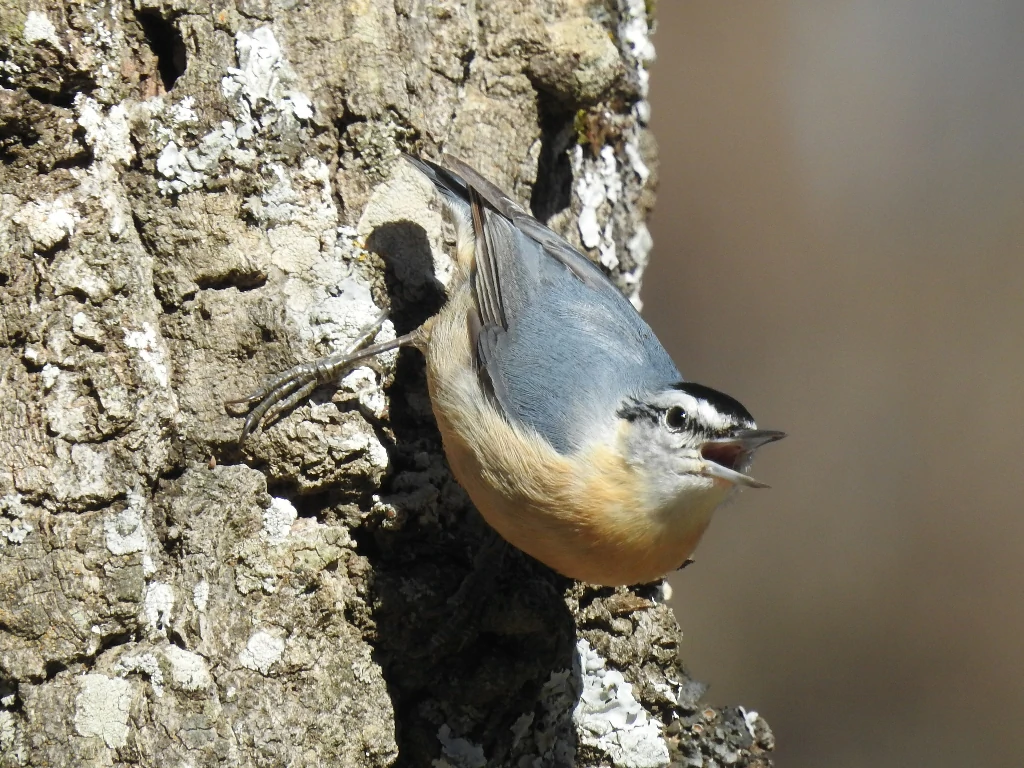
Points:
(635, 410)
(632, 410)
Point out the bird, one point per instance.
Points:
(561, 414)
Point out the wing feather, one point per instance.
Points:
(547, 238)
(486, 274)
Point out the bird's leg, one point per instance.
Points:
(289, 388)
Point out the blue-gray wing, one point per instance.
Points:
(561, 346)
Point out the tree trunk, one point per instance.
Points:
(195, 197)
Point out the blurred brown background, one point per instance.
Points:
(839, 239)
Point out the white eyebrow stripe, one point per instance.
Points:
(702, 411)
(713, 417)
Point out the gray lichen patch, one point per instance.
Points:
(261, 652)
(39, 29)
(102, 709)
(14, 527)
(610, 718)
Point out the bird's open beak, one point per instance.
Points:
(722, 456)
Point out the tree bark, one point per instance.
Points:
(194, 197)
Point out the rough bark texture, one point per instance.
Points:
(193, 197)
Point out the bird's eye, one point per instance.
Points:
(675, 418)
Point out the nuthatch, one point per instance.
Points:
(562, 415)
